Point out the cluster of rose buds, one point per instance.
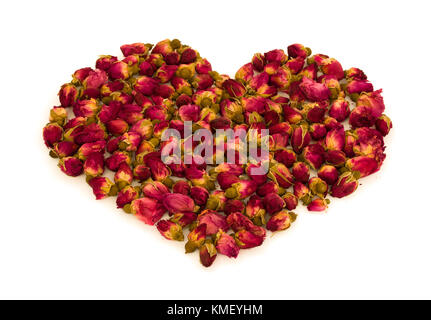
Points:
(326, 130)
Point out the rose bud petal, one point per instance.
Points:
(216, 200)
(182, 187)
(64, 149)
(241, 189)
(226, 180)
(273, 203)
(234, 88)
(58, 115)
(314, 155)
(71, 166)
(298, 50)
(113, 162)
(233, 205)
(335, 157)
(335, 139)
(246, 239)
(281, 221)
(155, 190)
(361, 116)
(226, 245)
(177, 202)
(119, 70)
(290, 200)
(314, 91)
(105, 61)
(213, 221)
(317, 131)
(258, 178)
(318, 187)
(357, 86)
(328, 173)
(285, 156)
(89, 133)
(362, 164)
(170, 230)
(102, 187)
(346, 184)
(300, 138)
(199, 195)
(302, 192)
(141, 172)
(123, 176)
(147, 210)
(355, 73)
(278, 141)
(184, 218)
(68, 95)
(94, 165)
(196, 238)
(268, 187)
(52, 133)
(383, 124)
(207, 253)
(126, 196)
(318, 205)
(92, 147)
(374, 101)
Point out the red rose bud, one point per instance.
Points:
(119, 70)
(117, 127)
(184, 218)
(374, 102)
(276, 55)
(177, 202)
(331, 124)
(329, 66)
(290, 200)
(268, 187)
(203, 66)
(226, 180)
(230, 168)
(238, 222)
(64, 149)
(335, 139)
(80, 75)
(199, 195)
(102, 187)
(350, 143)
(109, 112)
(339, 110)
(258, 62)
(314, 155)
(346, 184)
(189, 112)
(302, 192)
(245, 73)
(123, 176)
(281, 78)
(364, 165)
(335, 157)
(144, 127)
(202, 81)
(357, 86)
(58, 115)
(298, 50)
(369, 143)
(355, 73)
(104, 62)
(295, 65)
(207, 253)
(130, 141)
(246, 239)
(313, 112)
(285, 156)
(95, 80)
(86, 108)
(318, 205)
(170, 230)
(182, 187)
(314, 91)
(147, 210)
(383, 124)
(213, 221)
(328, 173)
(68, 95)
(300, 138)
(135, 48)
(273, 203)
(278, 141)
(94, 165)
(52, 133)
(332, 83)
(234, 88)
(318, 187)
(166, 72)
(113, 162)
(159, 171)
(259, 179)
(226, 245)
(141, 172)
(280, 221)
(146, 68)
(361, 116)
(155, 190)
(196, 238)
(145, 85)
(233, 205)
(198, 177)
(164, 47)
(317, 131)
(255, 209)
(188, 56)
(71, 166)
(301, 172)
(241, 189)
(126, 196)
(309, 72)
(216, 200)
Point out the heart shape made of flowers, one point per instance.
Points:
(326, 127)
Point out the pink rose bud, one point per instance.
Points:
(184, 218)
(95, 79)
(369, 143)
(123, 176)
(241, 189)
(328, 173)
(355, 73)
(233, 205)
(336, 158)
(109, 112)
(177, 202)
(346, 184)
(105, 62)
(170, 230)
(281, 78)
(131, 113)
(68, 95)
(189, 112)
(329, 66)
(302, 192)
(214, 221)
(80, 75)
(230, 168)
(246, 239)
(117, 127)
(318, 205)
(278, 141)
(94, 165)
(144, 127)
(159, 171)
(331, 124)
(300, 138)
(226, 180)
(335, 139)
(285, 156)
(182, 187)
(362, 164)
(245, 73)
(234, 88)
(126, 196)
(102, 187)
(147, 210)
(268, 187)
(301, 172)
(163, 47)
(203, 66)
(202, 81)
(313, 112)
(373, 101)
(339, 110)
(141, 172)
(86, 108)
(361, 116)
(314, 91)
(383, 124)
(52, 133)
(237, 222)
(155, 190)
(317, 131)
(332, 83)
(119, 70)
(71, 166)
(255, 209)
(314, 155)
(165, 73)
(130, 141)
(298, 50)
(65, 149)
(135, 48)
(199, 195)
(146, 68)
(280, 221)
(226, 245)
(113, 162)
(350, 144)
(290, 200)
(146, 85)
(196, 238)
(295, 65)
(310, 72)
(207, 253)
(358, 86)
(318, 187)
(198, 177)
(273, 203)
(276, 55)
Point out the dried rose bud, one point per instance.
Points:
(163, 47)
(126, 196)
(135, 48)
(290, 200)
(346, 184)
(298, 50)
(276, 55)
(199, 178)
(117, 127)
(94, 80)
(114, 161)
(255, 210)
(52, 133)
(177, 202)
(369, 143)
(185, 71)
(102, 187)
(339, 109)
(335, 139)
(373, 101)
(232, 110)
(268, 187)
(280, 221)
(75, 122)
(233, 205)
(123, 176)
(314, 91)
(318, 187)
(155, 190)
(301, 171)
(328, 173)
(357, 86)
(278, 141)
(214, 221)
(182, 187)
(119, 70)
(246, 239)
(159, 171)
(184, 218)
(328, 66)
(105, 61)
(64, 149)
(207, 253)
(80, 75)
(286, 157)
(383, 124)
(71, 166)
(302, 192)
(241, 189)
(92, 147)
(94, 165)
(295, 65)
(230, 168)
(68, 95)
(258, 62)
(355, 73)
(170, 230)
(313, 112)
(226, 180)
(273, 203)
(216, 200)
(203, 66)
(196, 238)
(237, 222)
(141, 172)
(226, 245)
(129, 141)
(58, 115)
(362, 164)
(257, 178)
(144, 127)
(147, 210)
(245, 73)
(331, 124)
(300, 138)
(318, 205)
(361, 116)
(336, 158)
(281, 78)
(317, 131)
(199, 195)
(234, 88)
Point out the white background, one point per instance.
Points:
(56, 241)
